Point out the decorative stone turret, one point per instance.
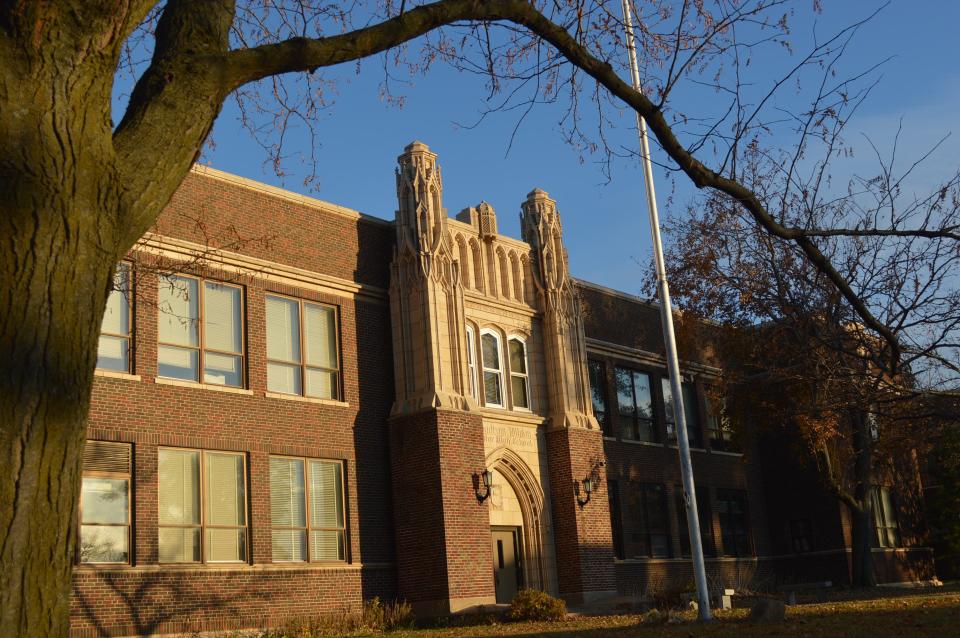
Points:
(563, 337)
(574, 443)
(436, 433)
(426, 296)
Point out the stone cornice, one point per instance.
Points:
(182, 250)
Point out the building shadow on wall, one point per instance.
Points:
(146, 604)
(373, 345)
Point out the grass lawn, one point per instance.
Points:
(902, 616)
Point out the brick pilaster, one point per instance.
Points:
(584, 544)
(442, 532)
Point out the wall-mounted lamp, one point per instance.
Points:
(481, 485)
(588, 486)
(589, 483)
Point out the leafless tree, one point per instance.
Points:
(81, 188)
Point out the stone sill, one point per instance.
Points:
(228, 567)
(202, 386)
(113, 374)
(303, 399)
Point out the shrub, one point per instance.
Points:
(533, 604)
(373, 617)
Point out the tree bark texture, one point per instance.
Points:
(59, 215)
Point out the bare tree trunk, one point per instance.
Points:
(861, 517)
(58, 247)
(862, 572)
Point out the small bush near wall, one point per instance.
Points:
(374, 617)
(533, 604)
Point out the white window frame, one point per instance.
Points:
(472, 362)
(498, 372)
(521, 375)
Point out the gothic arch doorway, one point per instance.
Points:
(523, 489)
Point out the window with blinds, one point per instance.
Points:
(200, 328)
(492, 369)
(105, 503)
(202, 506)
(306, 509)
(302, 351)
(519, 380)
(113, 349)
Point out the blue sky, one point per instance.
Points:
(604, 221)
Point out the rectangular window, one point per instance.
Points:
(616, 518)
(302, 348)
(690, 411)
(202, 506)
(801, 535)
(634, 405)
(492, 369)
(718, 423)
(704, 514)
(885, 518)
(306, 509)
(105, 503)
(598, 395)
(732, 513)
(646, 521)
(472, 362)
(113, 349)
(200, 328)
(519, 387)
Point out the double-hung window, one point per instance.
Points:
(732, 512)
(492, 359)
(105, 503)
(302, 348)
(306, 509)
(634, 405)
(203, 506)
(646, 521)
(519, 380)
(704, 515)
(885, 518)
(200, 329)
(690, 411)
(598, 394)
(722, 436)
(472, 362)
(113, 350)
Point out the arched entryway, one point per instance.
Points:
(516, 506)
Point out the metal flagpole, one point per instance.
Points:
(670, 343)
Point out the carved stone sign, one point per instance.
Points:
(516, 438)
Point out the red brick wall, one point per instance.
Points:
(146, 596)
(582, 534)
(443, 533)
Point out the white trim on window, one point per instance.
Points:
(519, 379)
(472, 362)
(492, 363)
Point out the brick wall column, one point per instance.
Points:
(584, 544)
(442, 533)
